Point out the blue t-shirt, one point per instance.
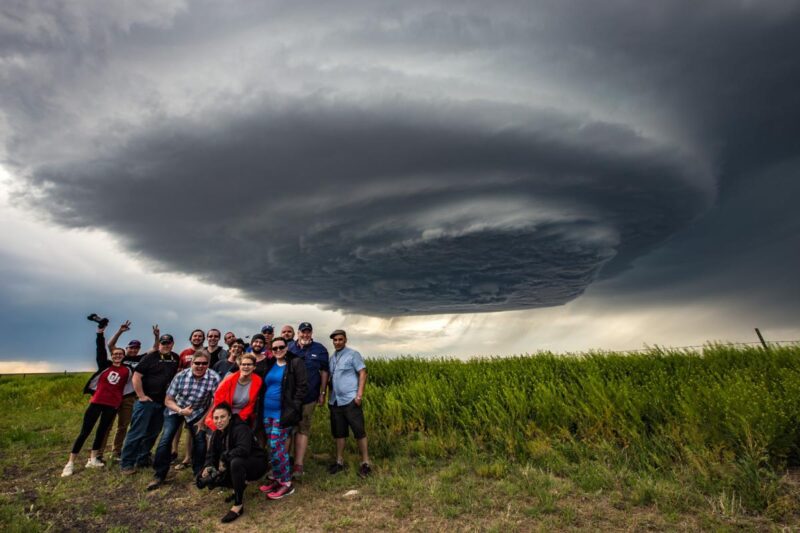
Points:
(272, 397)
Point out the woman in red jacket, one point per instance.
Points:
(104, 405)
(239, 390)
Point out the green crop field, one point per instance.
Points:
(663, 440)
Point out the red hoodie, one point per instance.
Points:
(225, 392)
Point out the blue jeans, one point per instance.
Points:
(146, 422)
(164, 450)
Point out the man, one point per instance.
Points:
(131, 359)
(287, 332)
(229, 339)
(188, 397)
(151, 377)
(224, 367)
(315, 356)
(196, 339)
(257, 345)
(348, 377)
(269, 333)
(217, 352)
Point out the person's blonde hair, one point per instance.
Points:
(246, 356)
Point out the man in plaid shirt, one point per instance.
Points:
(188, 397)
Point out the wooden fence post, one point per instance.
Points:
(761, 338)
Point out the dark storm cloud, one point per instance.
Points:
(417, 203)
(405, 208)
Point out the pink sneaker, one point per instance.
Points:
(271, 486)
(283, 490)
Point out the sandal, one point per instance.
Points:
(181, 466)
(232, 515)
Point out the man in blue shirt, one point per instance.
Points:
(348, 377)
(315, 356)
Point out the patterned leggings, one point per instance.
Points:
(276, 436)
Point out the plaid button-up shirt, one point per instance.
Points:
(190, 391)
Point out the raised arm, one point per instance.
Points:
(156, 336)
(101, 355)
(125, 326)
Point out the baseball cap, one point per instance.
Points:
(304, 325)
(167, 338)
(338, 332)
(267, 329)
(135, 344)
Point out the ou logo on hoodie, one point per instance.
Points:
(113, 377)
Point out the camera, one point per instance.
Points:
(101, 322)
(211, 480)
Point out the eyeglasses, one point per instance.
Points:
(201, 363)
(278, 348)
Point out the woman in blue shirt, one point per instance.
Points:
(280, 406)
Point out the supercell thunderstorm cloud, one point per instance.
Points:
(410, 209)
(395, 159)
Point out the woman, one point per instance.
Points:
(280, 407)
(104, 404)
(234, 452)
(239, 390)
(228, 365)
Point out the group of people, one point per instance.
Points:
(247, 408)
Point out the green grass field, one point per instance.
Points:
(661, 440)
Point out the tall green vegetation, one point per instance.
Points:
(679, 430)
(726, 420)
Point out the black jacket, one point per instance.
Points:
(293, 389)
(236, 440)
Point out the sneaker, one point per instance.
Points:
(153, 485)
(271, 486)
(283, 490)
(127, 471)
(335, 468)
(69, 468)
(115, 458)
(95, 462)
(297, 471)
(364, 470)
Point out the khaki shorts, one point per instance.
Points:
(304, 427)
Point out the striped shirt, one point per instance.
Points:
(189, 391)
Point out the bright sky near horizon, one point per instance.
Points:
(433, 177)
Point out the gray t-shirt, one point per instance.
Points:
(241, 396)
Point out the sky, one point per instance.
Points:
(437, 178)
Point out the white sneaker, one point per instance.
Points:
(69, 468)
(94, 462)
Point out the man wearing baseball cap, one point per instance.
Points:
(348, 378)
(151, 378)
(315, 356)
(269, 333)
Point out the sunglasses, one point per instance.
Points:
(278, 348)
(200, 363)
(246, 364)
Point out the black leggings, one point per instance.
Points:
(241, 470)
(93, 412)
